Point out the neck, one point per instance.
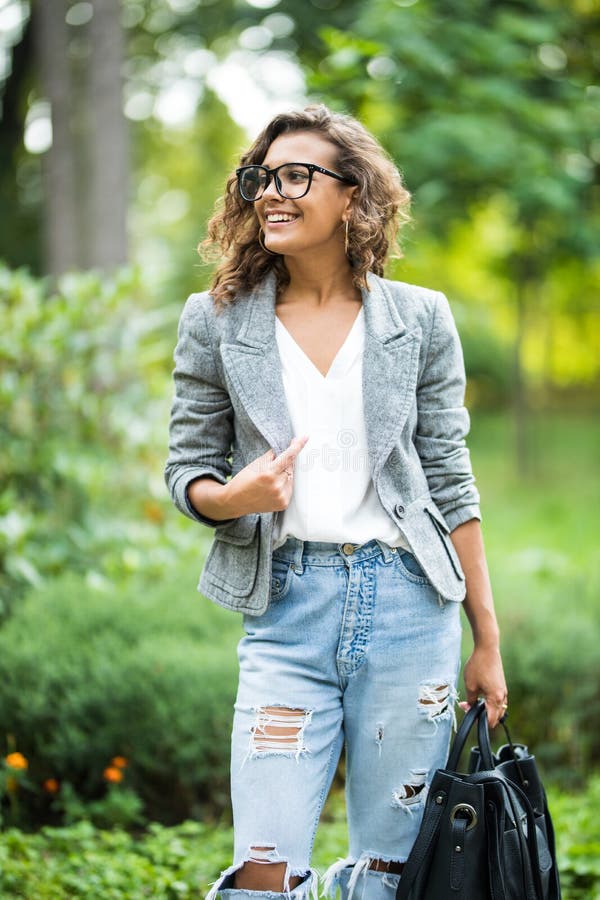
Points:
(316, 282)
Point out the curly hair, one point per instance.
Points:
(379, 207)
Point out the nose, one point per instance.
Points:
(271, 189)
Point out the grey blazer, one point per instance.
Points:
(230, 407)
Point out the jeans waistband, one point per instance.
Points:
(324, 553)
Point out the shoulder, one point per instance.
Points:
(205, 318)
(411, 300)
(417, 306)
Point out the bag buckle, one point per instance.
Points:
(464, 811)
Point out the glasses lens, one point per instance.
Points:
(293, 181)
(252, 182)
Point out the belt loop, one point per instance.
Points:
(386, 551)
(298, 554)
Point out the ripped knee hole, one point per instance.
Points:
(279, 728)
(435, 697)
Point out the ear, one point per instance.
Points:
(347, 213)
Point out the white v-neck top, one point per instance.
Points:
(334, 498)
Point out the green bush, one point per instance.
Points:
(577, 826)
(83, 392)
(144, 673)
(80, 861)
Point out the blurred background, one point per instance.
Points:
(120, 121)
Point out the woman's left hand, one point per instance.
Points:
(484, 677)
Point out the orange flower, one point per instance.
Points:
(51, 786)
(16, 761)
(112, 774)
(120, 762)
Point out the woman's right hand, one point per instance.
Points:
(264, 485)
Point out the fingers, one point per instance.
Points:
(495, 711)
(287, 457)
(484, 678)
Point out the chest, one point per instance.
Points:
(320, 335)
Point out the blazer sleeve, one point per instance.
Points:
(443, 421)
(201, 425)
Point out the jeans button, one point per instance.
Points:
(399, 509)
(348, 549)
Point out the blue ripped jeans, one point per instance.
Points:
(354, 648)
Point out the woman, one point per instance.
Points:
(318, 425)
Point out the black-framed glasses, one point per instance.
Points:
(292, 180)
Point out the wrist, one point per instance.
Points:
(228, 502)
(211, 499)
(486, 640)
(484, 625)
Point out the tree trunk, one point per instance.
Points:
(107, 136)
(61, 245)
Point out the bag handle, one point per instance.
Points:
(483, 739)
(424, 845)
(462, 734)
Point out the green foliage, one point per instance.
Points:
(120, 807)
(80, 861)
(472, 99)
(145, 673)
(180, 862)
(84, 394)
(490, 108)
(577, 827)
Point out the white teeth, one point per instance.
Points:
(280, 217)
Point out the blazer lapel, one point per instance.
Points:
(254, 367)
(390, 368)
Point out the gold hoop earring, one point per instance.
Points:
(262, 244)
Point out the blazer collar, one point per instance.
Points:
(382, 319)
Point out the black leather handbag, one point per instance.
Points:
(487, 834)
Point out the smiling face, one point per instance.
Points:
(314, 223)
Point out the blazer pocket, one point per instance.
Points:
(232, 562)
(241, 531)
(443, 531)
